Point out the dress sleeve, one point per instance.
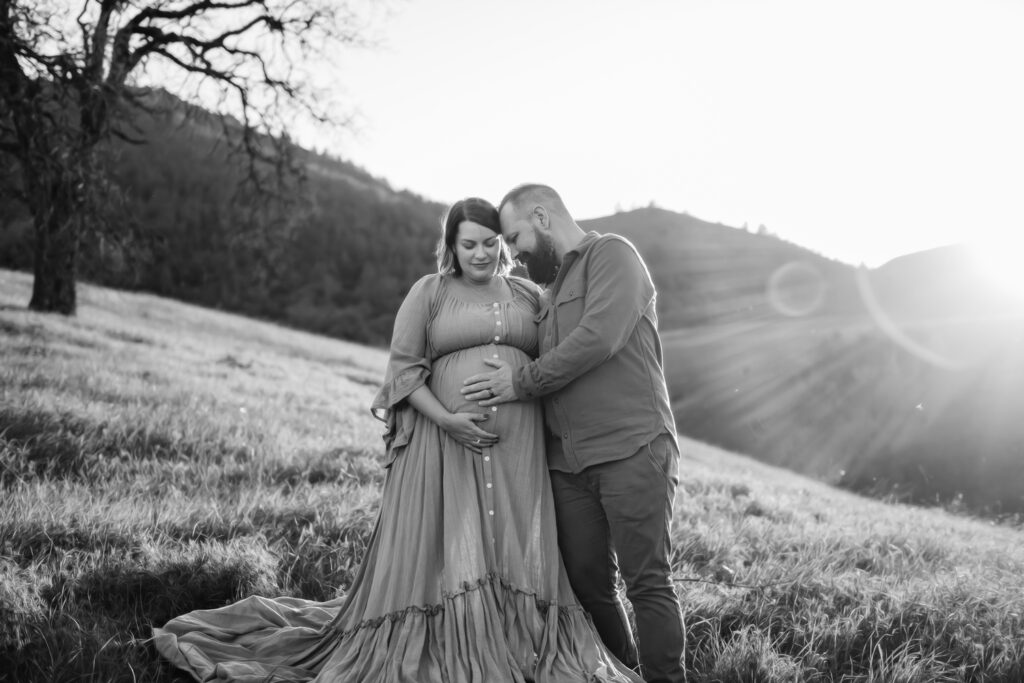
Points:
(408, 366)
(529, 290)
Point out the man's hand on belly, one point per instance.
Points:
(491, 388)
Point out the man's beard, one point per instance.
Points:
(542, 264)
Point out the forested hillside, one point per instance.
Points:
(332, 252)
(335, 251)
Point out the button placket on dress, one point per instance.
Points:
(488, 467)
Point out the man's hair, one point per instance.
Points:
(534, 193)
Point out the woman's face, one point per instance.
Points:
(477, 249)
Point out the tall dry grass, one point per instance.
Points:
(157, 458)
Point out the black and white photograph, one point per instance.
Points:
(494, 341)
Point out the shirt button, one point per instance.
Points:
(495, 355)
(487, 458)
(490, 485)
(565, 435)
(498, 323)
(497, 338)
(495, 304)
(494, 409)
(490, 512)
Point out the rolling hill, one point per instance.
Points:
(709, 273)
(903, 381)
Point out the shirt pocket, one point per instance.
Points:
(569, 309)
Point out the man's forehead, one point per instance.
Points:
(508, 218)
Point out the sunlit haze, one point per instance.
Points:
(862, 130)
(1000, 265)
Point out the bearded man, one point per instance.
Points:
(611, 441)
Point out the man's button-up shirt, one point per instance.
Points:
(600, 368)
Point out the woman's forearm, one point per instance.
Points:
(424, 401)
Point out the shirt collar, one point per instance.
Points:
(584, 246)
(570, 256)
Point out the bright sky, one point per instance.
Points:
(863, 129)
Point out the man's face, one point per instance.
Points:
(530, 245)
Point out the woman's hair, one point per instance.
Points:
(478, 211)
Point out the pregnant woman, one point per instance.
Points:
(462, 581)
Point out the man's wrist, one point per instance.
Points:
(517, 384)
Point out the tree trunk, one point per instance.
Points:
(56, 253)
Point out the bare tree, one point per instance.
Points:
(69, 72)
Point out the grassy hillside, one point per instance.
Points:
(156, 458)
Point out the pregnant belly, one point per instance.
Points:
(451, 370)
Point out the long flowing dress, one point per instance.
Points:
(462, 580)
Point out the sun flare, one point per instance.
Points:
(1001, 265)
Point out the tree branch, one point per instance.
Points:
(193, 10)
(96, 52)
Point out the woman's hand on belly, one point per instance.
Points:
(463, 428)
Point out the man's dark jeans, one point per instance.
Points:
(617, 516)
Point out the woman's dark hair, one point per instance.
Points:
(478, 211)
